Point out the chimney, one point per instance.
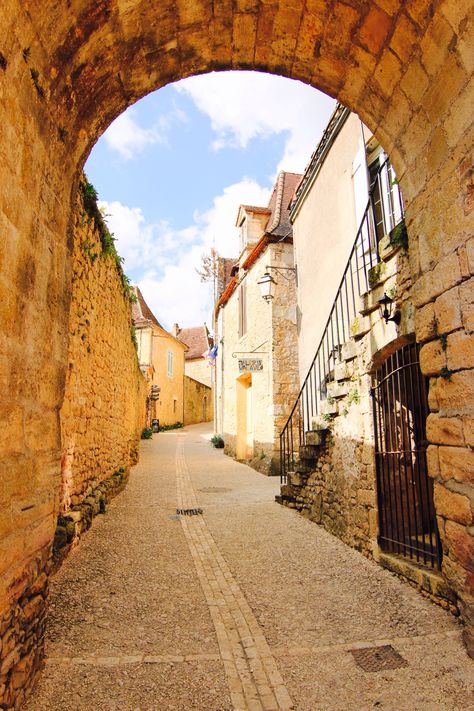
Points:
(175, 330)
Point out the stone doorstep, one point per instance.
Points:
(429, 580)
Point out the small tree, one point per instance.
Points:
(209, 269)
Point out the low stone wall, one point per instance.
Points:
(194, 394)
(101, 420)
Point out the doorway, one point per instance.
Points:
(244, 444)
(407, 520)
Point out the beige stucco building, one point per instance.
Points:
(161, 358)
(198, 373)
(257, 369)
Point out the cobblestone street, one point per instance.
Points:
(245, 606)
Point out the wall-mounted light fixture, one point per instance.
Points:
(267, 283)
(386, 305)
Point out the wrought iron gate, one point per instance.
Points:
(407, 520)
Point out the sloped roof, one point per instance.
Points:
(278, 208)
(225, 267)
(141, 312)
(197, 340)
(143, 316)
(279, 223)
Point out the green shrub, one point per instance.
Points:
(147, 433)
(174, 426)
(217, 441)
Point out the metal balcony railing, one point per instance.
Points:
(383, 211)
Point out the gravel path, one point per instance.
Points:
(248, 606)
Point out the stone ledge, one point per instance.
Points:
(427, 580)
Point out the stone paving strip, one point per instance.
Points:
(254, 680)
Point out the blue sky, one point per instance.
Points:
(172, 170)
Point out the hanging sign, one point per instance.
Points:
(250, 365)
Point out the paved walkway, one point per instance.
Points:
(246, 606)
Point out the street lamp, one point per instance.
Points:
(386, 304)
(267, 286)
(267, 283)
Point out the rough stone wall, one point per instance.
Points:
(67, 71)
(101, 419)
(104, 402)
(194, 394)
(340, 491)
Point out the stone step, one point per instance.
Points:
(337, 390)
(329, 407)
(318, 424)
(308, 452)
(315, 437)
(348, 350)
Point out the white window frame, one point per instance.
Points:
(170, 364)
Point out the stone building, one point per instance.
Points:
(161, 358)
(354, 448)
(257, 364)
(198, 374)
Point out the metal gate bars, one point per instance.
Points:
(407, 520)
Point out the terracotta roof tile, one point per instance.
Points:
(196, 338)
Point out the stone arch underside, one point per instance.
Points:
(68, 69)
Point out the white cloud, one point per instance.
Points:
(128, 138)
(245, 105)
(168, 258)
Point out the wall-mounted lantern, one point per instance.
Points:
(267, 286)
(386, 306)
(267, 283)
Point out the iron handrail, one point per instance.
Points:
(337, 327)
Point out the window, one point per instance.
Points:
(170, 364)
(242, 309)
(175, 403)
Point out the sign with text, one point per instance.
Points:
(250, 365)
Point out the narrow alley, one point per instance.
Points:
(245, 605)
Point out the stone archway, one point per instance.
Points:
(67, 70)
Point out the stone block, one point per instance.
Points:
(328, 407)
(348, 350)
(337, 390)
(360, 326)
(460, 543)
(425, 323)
(342, 371)
(444, 430)
(456, 463)
(451, 505)
(432, 358)
(315, 437)
(460, 350)
(318, 423)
